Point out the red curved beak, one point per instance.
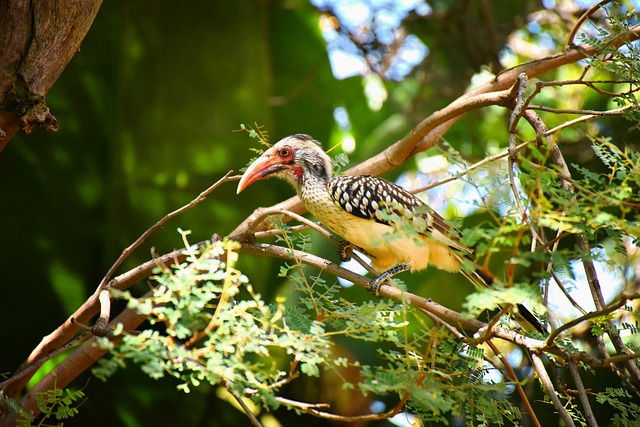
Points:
(261, 168)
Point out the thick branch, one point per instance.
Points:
(75, 364)
(83, 315)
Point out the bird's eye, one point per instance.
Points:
(285, 152)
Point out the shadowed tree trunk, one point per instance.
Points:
(37, 40)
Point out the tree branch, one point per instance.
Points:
(72, 366)
(514, 379)
(582, 394)
(592, 278)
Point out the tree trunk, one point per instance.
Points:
(37, 40)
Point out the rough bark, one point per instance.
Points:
(37, 41)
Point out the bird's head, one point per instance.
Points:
(294, 158)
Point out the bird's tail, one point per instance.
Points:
(480, 277)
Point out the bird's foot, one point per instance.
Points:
(376, 282)
(374, 285)
(345, 250)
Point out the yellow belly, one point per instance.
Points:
(390, 247)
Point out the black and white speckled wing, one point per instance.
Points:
(377, 199)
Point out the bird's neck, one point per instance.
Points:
(315, 174)
(311, 182)
(312, 186)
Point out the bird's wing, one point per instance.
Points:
(377, 199)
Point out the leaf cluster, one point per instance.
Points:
(597, 204)
(58, 404)
(205, 333)
(627, 411)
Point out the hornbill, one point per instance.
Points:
(396, 229)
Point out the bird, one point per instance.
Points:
(394, 228)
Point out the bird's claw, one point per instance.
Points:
(374, 285)
(345, 250)
(376, 282)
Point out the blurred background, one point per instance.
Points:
(149, 113)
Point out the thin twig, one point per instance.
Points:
(314, 409)
(438, 321)
(581, 20)
(127, 251)
(277, 232)
(516, 114)
(471, 168)
(551, 392)
(591, 84)
(582, 394)
(30, 369)
(595, 113)
(245, 408)
(622, 300)
(514, 379)
(564, 290)
(266, 213)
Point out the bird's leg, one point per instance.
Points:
(375, 283)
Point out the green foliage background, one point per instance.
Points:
(148, 110)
